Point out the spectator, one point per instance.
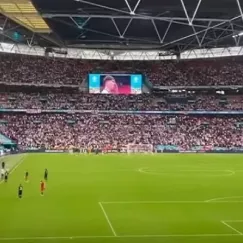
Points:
(62, 131)
(43, 70)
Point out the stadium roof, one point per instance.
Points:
(166, 24)
(24, 13)
(169, 26)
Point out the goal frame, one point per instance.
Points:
(138, 148)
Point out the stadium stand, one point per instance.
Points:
(109, 113)
(31, 69)
(55, 123)
(59, 131)
(143, 102)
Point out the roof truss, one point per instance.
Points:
(205, 32)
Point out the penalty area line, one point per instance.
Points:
(232, 228)
(171, 202)
(107, 219)
(118, 236)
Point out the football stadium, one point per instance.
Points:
(121, 121)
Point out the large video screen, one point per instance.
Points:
(115, 83)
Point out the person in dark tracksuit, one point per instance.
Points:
(6, 176)
(26, 176)
(20, 191)
(46, 175)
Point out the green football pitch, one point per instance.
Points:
(167, 198)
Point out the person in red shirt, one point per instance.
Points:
(42, 187)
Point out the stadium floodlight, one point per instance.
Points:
(239, 34)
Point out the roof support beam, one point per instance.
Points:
(176, 20)
(4, 24)
(202, 31)
(157, 32)
(102, 6)
(205, 33)
(88, 29)
(233, 31)
(108, 34)
(238, 25)
(185, 11)
(136, 6)
(237, 38)
(213, 41)
(29, 42)
(166, 32)
(125, 31)
(83, 24)
(190, 21)
(240, 9)
(4, 34)
(195, 12)
(228, 29)
(128, 5)
(117, 29)
(197, 38)
(137, 16)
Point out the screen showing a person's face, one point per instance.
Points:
(115, 83)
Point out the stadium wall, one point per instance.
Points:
(123, 150)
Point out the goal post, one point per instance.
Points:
(139, 148)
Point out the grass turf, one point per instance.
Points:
(124, 198)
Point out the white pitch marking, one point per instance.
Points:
(16, 166)
(150, 202)
(107, 219)
(120, 236)
(231, 171)
(234, 221)
(143, 170)
(169, 202)
(222, 198)
(231, 227)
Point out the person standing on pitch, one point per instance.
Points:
(46, 175)
(3, 165)
(6, 176)
(42, 187)
(20, 191)
(26, 176)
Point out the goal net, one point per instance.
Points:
(139, 148)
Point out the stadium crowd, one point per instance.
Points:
(65, 131)
(32, 70)
(84, 101)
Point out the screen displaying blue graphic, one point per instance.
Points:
(115, 83)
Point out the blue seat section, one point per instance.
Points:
(167, 147)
